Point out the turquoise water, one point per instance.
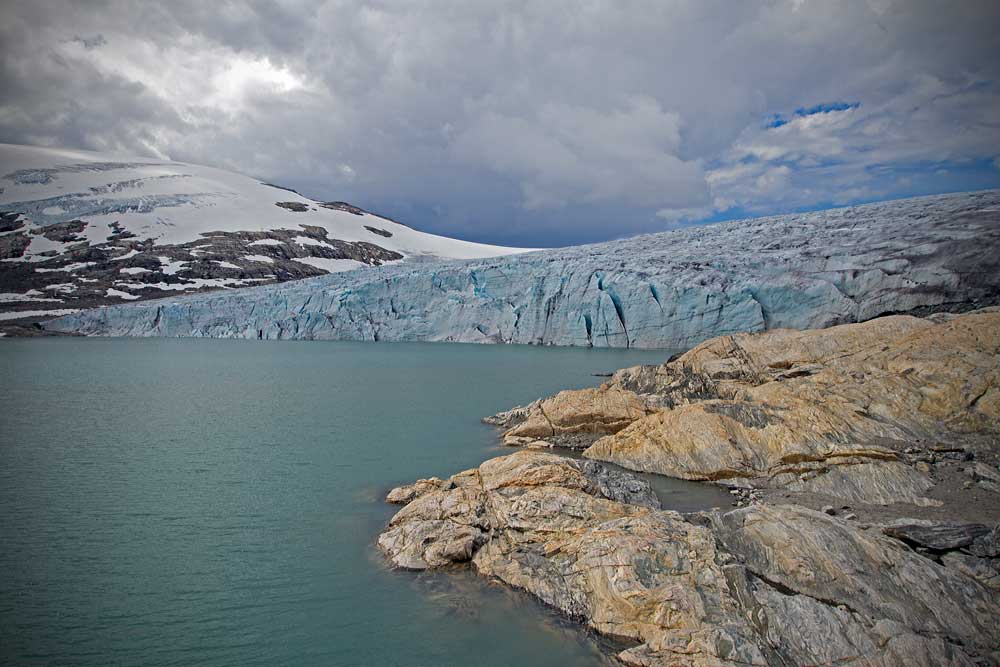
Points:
(216, 502)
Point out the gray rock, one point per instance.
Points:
(512, 417)
(984, 570)
(987, 485)
(403, 495)
(990, 473)
(935, 535)
(804, 552)
(988, 545)
(620, 486)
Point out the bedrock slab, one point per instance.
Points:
(763, 585)
(868, 413)
(891, 427)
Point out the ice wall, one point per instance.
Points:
(667, 290)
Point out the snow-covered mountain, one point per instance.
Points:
(668, 290)
(81, 229)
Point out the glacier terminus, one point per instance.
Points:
(667, 290)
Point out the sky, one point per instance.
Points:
(532, 124)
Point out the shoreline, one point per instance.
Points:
(862, 462)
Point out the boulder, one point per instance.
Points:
(403, 495)
(936, 535)
(579, 417)
(874, 577)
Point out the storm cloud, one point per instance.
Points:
(526, 123)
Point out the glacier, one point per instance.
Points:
(668, 290)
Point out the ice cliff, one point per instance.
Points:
(668, 290)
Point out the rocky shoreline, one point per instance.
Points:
(863, 465)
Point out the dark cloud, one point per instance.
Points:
(526, 122)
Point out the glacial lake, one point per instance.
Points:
(216, 502)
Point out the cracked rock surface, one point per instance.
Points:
(889, 427)
(761, 585)
(871, 413)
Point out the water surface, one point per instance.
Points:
(215, 502)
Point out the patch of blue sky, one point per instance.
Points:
(776, 120)
(884, 181)
(920, 178)
(826, 107)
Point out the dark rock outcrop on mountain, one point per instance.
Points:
(82, 275)
(80, 230)
(294, 206)
(343, 206)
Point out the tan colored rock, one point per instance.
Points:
(404, 494)
(751, 359)
(833, 413)
(585, 413)
(541, 522)
(450, 518)
(722, 439)
(438, 528)
(764, 585)
(721, 367)
(865, 392)
(629, 573)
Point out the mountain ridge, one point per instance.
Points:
(83, 229)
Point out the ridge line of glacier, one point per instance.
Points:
(667, 290)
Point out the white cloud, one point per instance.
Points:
(837, 156)
(676, 216)
(243, 77)
(563, 153)
(531, 123)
